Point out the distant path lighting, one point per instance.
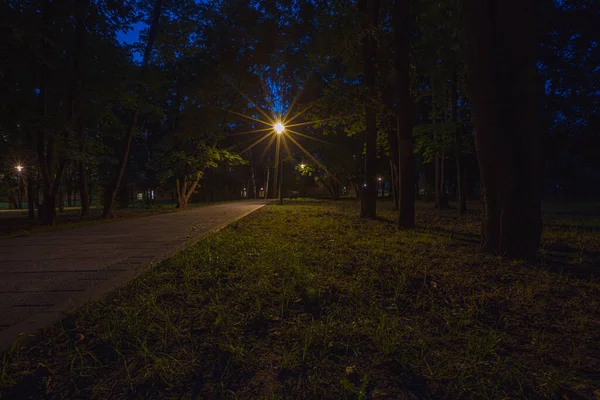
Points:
(302, 166)
(19, 169)
(279, 128)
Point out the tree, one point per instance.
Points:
(81, 15)
(110, 191)
(369, 14)
(502, 83)
(404, 112)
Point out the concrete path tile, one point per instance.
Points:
(46, 275)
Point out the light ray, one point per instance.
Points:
(247, 117)
(315, 160)
(262, 156)
(286, 147)
(255, 105)
(299, 113)
(289, 110)
(252, 102)
(306, 136)
(269, 97)
(252, 131)
(317, 121)
(256, 142)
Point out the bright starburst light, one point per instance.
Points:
(278, 126)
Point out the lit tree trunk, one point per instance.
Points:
(369, 14)
(185, 189)
(30, 196)
(268, 173)
(501, 60)
(252, 182)
(110, 191)
(61, 199)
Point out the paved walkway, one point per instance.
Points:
(43, 276)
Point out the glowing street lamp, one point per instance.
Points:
(302, 166)
(19, 169)
(279, 128)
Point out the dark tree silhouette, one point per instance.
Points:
(369, 13)
(502, 82)
(401, 20)
(112, 188)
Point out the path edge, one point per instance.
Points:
(26, 330)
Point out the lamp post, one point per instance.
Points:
(19, 169)
(279, 128)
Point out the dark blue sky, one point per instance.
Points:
(130, 37)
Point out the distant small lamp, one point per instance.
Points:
(19, 168)
(279, 128)
(302, 166)
(379, 179)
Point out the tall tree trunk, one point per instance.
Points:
(369, 14)
(280, 181)
(61, 199)
(45, 144)
(112, 188)
(458, 132)
(393, 179)
(436, 182)
(252, 182)
(442, 188)
(82, 175)
(392, 137)
(501, 60)
(405, 117)
(268, 173)
(461, 185)
(30, 196)
(82, 7)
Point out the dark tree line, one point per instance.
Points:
(444, 100)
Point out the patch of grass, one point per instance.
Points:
(308, 301)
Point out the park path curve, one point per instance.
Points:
(46, 275)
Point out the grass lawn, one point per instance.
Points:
(307, 301)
